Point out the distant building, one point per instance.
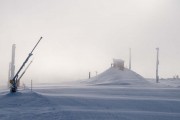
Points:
(118, 63)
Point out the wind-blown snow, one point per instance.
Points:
(113, 95)
(91, 103)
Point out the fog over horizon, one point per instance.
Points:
(81, 36)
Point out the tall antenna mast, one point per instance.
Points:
(11, 71)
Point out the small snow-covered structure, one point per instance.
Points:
(118, 63)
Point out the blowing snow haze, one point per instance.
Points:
(81, 36)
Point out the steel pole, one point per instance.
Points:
(157, 65)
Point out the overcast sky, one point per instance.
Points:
(85, 35)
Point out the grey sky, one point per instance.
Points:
(85, 35)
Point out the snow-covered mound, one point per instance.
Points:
(114, 76)
(23, 99)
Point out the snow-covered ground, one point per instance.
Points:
(170, 82)
(91, 103)
(137, 100)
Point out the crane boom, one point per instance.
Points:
(18, 81)
(13, 82)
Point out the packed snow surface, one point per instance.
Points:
(91, 103)
(113, 95)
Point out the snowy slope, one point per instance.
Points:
(91, 103)
(114, 76)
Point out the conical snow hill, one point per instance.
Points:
(115, 76)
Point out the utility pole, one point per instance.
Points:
(130, 58)
(157, 64)
(89, 75)
(31, 85)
